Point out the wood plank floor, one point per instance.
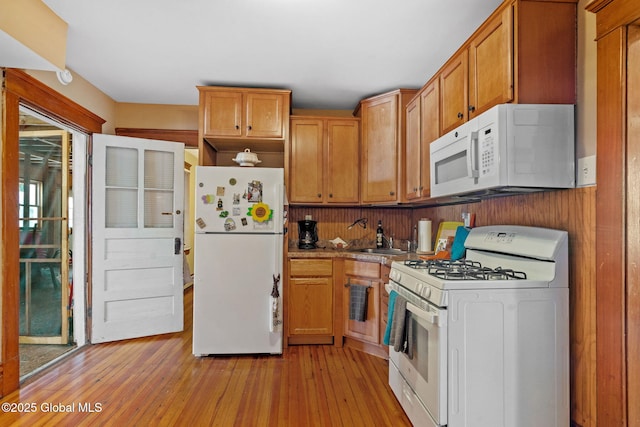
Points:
(157, 381)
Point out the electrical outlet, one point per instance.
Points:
(586, 171)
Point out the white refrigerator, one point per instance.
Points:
(237, 286)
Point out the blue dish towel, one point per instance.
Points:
(458, 249)
(392, 303)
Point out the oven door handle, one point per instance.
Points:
(426, 316)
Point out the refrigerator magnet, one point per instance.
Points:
(208, 199)
(236, 211)
(254, 192)
(224, 214)
(244, 221)
(232, 181)
(200, 222)
(229, 224)
(236, 198)
(220, 205)
(260, 212)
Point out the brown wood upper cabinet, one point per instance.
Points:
(232, 118)
(525, 52)
(454, 79)
(324, 160)
(383, 145)
(423, 126)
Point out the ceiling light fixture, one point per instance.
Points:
(64, 76)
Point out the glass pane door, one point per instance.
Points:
(44, 230)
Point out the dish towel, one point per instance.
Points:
(358, 302)
(398, 337)
(276, 308)
(409, 337)
(387, 332)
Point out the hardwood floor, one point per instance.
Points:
(157, 381)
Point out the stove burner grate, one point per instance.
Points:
(464, 270)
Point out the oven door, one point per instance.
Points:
(426, 372)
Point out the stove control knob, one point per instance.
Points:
(426, 292)
(395, 276)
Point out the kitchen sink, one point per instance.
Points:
(382, 251)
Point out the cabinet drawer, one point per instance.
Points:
(310, 267)
(362, 269)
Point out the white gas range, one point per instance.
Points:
(487, 340)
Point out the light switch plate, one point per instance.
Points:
(586, 171)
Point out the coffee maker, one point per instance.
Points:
(307, 234)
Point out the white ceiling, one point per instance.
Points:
(330, 53)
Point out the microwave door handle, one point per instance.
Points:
(472, 151)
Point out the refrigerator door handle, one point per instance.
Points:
(177, 245)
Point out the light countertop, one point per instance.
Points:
(351, 254)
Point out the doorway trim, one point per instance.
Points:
(20, 88)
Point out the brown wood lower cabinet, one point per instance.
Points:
(310, 306)
(366, 335)
(318, 303)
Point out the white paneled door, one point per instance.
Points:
(137, 220)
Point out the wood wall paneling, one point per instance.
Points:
(10, 247)
(617, 212)
(334, 222)
(633, 226)
(610, 226)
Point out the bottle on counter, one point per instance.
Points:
(413, 246)
(379, 235)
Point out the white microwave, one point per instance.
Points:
(510, 148)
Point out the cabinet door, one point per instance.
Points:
(454, 91)
(342, 173)
(412, 157)
(306, 165)
(310, 306)
(369, 330)
(264, 115)
(223, 114)
(430, 131)
(491, 64)
(380, 150)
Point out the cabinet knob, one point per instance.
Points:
(330, 194)
(237, 127)
(472, 108)
(249, 127)
(392, 193)
(319, 194)
(460, 115)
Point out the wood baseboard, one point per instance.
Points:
(310, 339)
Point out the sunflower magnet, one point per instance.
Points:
(260, 212)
